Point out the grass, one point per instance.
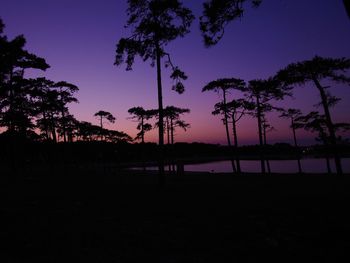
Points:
(197, 217)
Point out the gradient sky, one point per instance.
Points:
(78, 39)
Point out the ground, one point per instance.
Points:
(192, 218)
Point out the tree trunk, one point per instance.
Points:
(11, 98)
(63, 120)
(161, 114)
(262, 161)
(167, 129)
(142, 131)
(46, 126)
(226, 121)
(101, 125)
(296, 145)
(227, 132)
(235, 141)
(172, 131)
(53, 130)
(330, 127)
(265, 143)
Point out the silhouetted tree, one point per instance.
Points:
(236, 109)
(261, 92)
(315, 122)
(315, 71)
(217, 14)
(172, 115)
(266, 127)
(104, 115)
(293, 114)
(141, 116)
(154, 24)
(66, 95)
(17, 108)
(224, 85)
(117, 136)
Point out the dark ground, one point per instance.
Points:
(193, 218)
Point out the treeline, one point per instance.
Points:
(37, 108)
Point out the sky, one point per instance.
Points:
(78, 40)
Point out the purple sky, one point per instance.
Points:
(78, 39)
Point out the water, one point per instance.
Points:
(277, 166)
(311, 165)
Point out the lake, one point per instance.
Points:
(309, 165)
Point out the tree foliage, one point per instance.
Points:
(154, 24)
(141, 116)
(217, 14)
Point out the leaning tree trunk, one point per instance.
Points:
(161, 115)
(262, 161)
(296, 146)
(330, 127)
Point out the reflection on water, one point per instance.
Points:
(277, 166)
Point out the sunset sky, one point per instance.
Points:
(78, 40)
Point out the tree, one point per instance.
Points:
(236, 110)
(292, 115)
(217, 14)
(117, 136)
(260, 92)
(154, 24)
(224, 85)
(315, 122)
(316, 70)
(47, 106)
(104, 115)
(141, 116)
(172, 115)
(65, 92)
(16, 105)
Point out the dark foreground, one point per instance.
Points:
(193, 218)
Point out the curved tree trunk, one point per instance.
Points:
(330, 127)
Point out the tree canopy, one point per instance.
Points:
(217, 14)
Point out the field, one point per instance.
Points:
(191, 218)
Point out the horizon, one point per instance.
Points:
(78, 41)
